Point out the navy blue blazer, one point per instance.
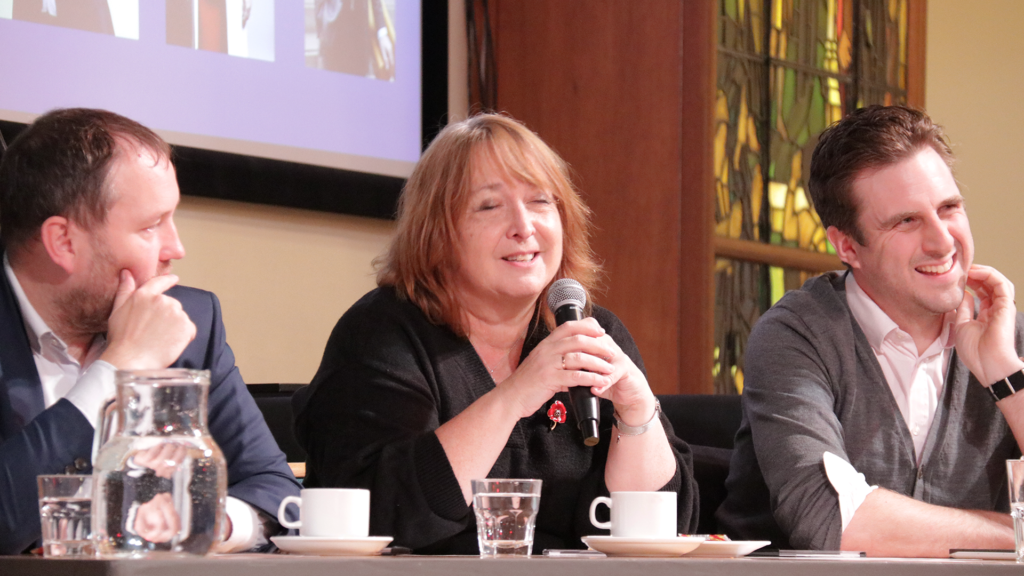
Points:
(55, 437)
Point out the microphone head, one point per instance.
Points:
(566, 291)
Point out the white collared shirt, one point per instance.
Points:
(87, 385)
(916, 381)
(90, 384)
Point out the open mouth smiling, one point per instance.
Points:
(936, 269)
(528, 257)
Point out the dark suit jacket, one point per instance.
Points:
(57, 436)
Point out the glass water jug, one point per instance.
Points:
(160, 481)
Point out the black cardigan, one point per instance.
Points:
(389, 378)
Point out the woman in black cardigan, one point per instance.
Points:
(448, 371)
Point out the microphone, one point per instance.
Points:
(567, 299)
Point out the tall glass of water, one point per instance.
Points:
(1015, 475)
(506, 513)
(65, 512)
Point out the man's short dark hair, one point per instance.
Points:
(869, 138)
(58, 167)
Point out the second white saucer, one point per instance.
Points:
(728, 548)
(332, 546)
(616, 546)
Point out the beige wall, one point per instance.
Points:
(285, 276)
(974, 89)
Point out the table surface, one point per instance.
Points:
(288, 565)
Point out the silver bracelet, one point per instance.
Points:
(627, 430)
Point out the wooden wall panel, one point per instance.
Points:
(602, 82)
(917, 22)
(697, 284)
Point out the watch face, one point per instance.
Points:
(1016, 381)
(998, 391)
(1008, 386)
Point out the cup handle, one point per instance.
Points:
(284, 504)
(593, 508)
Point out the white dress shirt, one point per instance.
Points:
(89, 385)
(916, 381)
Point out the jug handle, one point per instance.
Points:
(107, 426)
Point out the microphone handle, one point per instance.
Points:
(588, 413)
(568, 313)
(585, 406)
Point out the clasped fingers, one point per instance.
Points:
(571, 378)
(576, 361)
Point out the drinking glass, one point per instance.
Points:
(65, 512)
(506, 512)
(1015, 476)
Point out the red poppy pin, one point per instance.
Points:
(556, 413)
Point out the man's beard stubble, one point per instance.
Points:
(84, 311)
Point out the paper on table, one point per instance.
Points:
(965, 554)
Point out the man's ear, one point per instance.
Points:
(846, 247)
(60, 238)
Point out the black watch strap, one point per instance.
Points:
(1007, 386)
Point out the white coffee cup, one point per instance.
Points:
(329, 512)
(638, 514)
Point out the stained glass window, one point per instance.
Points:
(739, 299)
(787, 69)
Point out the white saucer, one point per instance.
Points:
(615, 546)
(332, 546)
(727, 549)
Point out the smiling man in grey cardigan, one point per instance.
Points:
(879, 402)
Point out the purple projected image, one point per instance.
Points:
(113, 17)
(243, 28)
(202, 89)
(351, 36)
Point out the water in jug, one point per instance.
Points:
(160, 481)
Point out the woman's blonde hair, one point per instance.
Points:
(423, 257)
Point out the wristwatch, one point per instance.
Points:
(1007, 386)
(627, 430)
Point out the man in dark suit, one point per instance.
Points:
(87, 201)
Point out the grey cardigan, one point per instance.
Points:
(812, 383)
